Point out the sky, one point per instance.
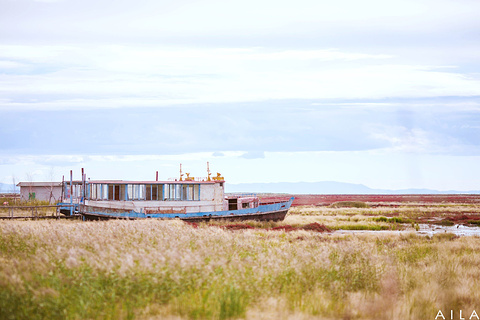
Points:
(380, 93)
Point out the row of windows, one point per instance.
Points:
(144, 192)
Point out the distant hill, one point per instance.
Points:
(321, 187)
(8, 188)
(327, 187)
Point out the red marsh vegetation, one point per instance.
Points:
(328, 199)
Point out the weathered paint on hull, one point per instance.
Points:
(269, 212)
(267, 216)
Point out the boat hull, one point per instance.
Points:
(264, 216)
(266, 212)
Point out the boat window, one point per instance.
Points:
(104, 191)
(172, 192)
(136, 192)
(196, 193)
(78, 190)
(130, 191)
(99, 191)
(232, 204)
(93, 191)
(185, 192)
(116, 192)
(190, 192)
(96, 191)
(110, 192)
(154, 192)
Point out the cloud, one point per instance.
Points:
(218, 154)
(254, 155)
(148, 19)
(434, 125)
(61, 77)
(48, 160)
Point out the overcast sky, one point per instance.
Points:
(382, 93)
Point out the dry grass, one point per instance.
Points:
(410, 210)
(26, 208)
(171, 270)
(391, 216)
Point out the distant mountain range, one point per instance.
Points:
(322, 187)
(8, 188)
(328, 187)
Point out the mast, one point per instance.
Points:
(71, 192)
(208, 172)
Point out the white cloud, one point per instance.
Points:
(149, 18)
(43, 159)
(115, 76)
(11, 65)
(407, 140)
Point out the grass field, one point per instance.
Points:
(171, 270)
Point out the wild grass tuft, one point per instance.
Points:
(392, 219)
(349, 204)
(358, 226)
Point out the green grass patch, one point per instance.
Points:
(415, 253)
(446, 236)
(445, 222)
(213, 301)
(372, 227)
(84, 293)
(346, 272)
(349, 204)
(13, 244)
(392, 219)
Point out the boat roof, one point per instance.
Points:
(39, 184)
(155, 182)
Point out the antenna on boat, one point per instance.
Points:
(181, 174)
(82, 198)
(208, 172)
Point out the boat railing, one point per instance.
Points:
(30, 212)
(197, 179)
(273, 200)
(240, 195)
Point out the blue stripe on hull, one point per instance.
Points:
(262, 209)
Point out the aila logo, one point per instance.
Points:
(440, 315)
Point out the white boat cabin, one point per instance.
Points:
(152, 197)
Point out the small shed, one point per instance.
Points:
(43, 191)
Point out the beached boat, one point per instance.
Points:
(189, 199)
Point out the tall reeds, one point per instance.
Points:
(168, 269)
